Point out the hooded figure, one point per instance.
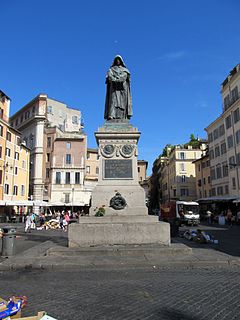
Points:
(118, 103)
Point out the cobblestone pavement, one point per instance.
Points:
(129, 294)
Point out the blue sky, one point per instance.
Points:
(178, 53)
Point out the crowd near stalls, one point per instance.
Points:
(51, 220)
(220, 211)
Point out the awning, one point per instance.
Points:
(26, 203)
(218, 199)
(41, 203)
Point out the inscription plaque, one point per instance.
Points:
(118, 169)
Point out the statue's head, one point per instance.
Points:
(118, 61)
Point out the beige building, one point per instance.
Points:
(177, 175)
(224, 140)
(53, 132)
(14, 162)
(203, 181)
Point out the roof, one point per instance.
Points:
(5, 94)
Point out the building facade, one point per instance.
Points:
(177, 175)
(224, 140)
(203, 181)
(14, 162)
(53, 132)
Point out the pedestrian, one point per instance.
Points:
(238, 217)
(33, 224)
(229, 217)
(61, 220)
(28, 222)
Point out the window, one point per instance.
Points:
(6, 188)
(231, 162)
(22, 190)
(184, 192)
(24, 164)
(16, 170)
(33, 110)
(68, 145)
(1, 130)
(234, 94)
(208, 179)
(217, 151)
(211, 154)
(236, 115)
(67, 197)
(199, 182)
(0, 151)
(67, 178)
(16, 122)
(212, 174)
(1, 113)
(204, 180)
(8, 152)
(16, 157)
(213, 192)
(226, 102)
(68, 159)
(58, 177)
(47, 173)
(223, 148)
(1, 176)
(228, 122)
(181, 166)
(88, 155)
(18, 141)
(233, 183)
(49, 142)
(15, 190)
(210, 137)
(230, 141)
(21, 119)
(220, 191)
(49, 109)
(225, 169)
(9, 136)
(238, 137)
(221, 130)
(97, 170)
(226, 189)
(88, 169)
(219, 172)
(74, 120)
(182, 155)
(77, 177)
(215, 134)
(48, 157)
(138, 169)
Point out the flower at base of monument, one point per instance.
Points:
(100, 211)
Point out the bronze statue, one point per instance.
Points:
(118, 103)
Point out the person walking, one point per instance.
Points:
(229, 217)
(28, 222)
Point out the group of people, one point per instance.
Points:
(226, 216)
(63, 218)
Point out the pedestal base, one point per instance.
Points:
(123, 230)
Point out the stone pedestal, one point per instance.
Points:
(126, 220)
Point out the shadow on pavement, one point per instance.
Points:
(227, 236)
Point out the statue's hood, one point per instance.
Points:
(119, 57)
